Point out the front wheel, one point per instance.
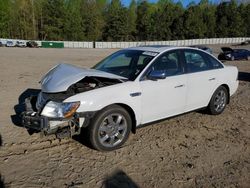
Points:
(218, 101)
(110, 128)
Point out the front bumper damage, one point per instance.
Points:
(32, 120)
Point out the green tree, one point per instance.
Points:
(229, 21)
(4, 18)
(132, 21)
(162, 21)
(193, 23)
(221, 20)
(92, 13)
(144, 23)
(208, 17)
(53, 20)
(111, 21)
(21, 20)
(247, 19)
(235, 21)
(73, 22)
(177, 29)
(116, 22)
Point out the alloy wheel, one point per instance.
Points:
(112, 130)
(220, 101)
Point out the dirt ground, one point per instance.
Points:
(192, 150)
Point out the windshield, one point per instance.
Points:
(126, 63)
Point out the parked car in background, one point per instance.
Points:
(10, 44)
(205, 48)
(20, 44)
(32, 44)
(246, 42)
(128, 89)
(1, 44)
(234, 54)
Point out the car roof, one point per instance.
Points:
(158, 48)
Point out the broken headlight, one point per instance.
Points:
(60, 110)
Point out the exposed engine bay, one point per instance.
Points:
(90, 83)
(86, 84)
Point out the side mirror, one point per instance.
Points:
(157, 74)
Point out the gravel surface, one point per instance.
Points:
(192, 150)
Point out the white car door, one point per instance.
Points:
(166, 97)
(201, 78)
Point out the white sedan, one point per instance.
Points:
(128, 89)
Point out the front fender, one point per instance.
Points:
(98, 99)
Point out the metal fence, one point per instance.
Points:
(189, 42)
(79, 44)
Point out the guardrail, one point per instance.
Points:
(189, 42)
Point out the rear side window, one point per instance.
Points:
(196, 62)
(216, 64)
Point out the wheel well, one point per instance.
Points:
(228, 92)
(132, 115)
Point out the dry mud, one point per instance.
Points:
(192, 150)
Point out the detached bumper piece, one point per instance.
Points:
(32, 120)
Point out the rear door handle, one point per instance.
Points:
(211, 79)
(182, 85)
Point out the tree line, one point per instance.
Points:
(105, 20)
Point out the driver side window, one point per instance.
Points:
(169, 62)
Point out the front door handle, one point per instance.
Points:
(182, 85)
(211, 79)
(135, 94)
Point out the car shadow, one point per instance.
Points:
(20, 107)
(119, 179)
(1, 179)
(1, 182)
(1, 141)
(83, 138)
(244, 76)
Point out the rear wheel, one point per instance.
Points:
(218, 101)
(110, 128)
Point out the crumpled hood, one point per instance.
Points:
(62, 76)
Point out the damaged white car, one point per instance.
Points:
(128, 89)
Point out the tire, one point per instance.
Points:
(248, 58)
(110, 128)
(232, 58)
(218, 101)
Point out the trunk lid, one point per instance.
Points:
(226, 49)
